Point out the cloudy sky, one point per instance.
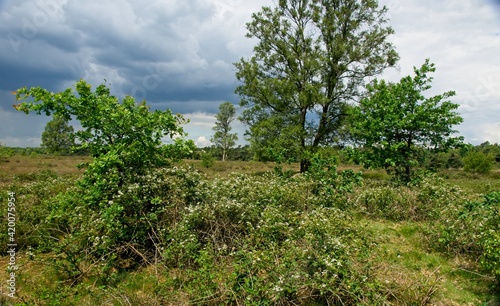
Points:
(179, 54)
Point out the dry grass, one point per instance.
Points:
(15, 166)
(224, 168)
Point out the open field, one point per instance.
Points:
(396, 257)
(19, 167)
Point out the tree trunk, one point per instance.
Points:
(408, 173)
(304, 165)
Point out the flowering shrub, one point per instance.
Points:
(423, 201)
(267, 240)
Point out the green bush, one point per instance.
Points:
(207, 160)
(392, 203)
(115, 212)
(125, 230)
(478, 162)
(421, 201)
(327, 183)
(490, 259)
(261, 240)
(33, 194)
(471, 227)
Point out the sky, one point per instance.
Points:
(179, 54)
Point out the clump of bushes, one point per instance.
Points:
(207, 159)
(478, 162)
(473, 228)
(32, 191)
(418, 202)
(245, 239)
(268, 240)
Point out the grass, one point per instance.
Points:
(401, 260)
(224, 168)
(403, 263)
(472, 182)
(19, 167)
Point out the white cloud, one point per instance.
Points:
(202, 120)
(202, 142)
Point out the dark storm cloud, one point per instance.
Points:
(155, 50)
(179, 54)
(175, 54)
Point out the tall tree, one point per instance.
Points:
(396, 122)
(58, 136)
(222, 138)
(311, 59)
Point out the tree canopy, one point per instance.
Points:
(395, 122)
(126, 132)
(311, 58)
(223, 138)
(58, 136)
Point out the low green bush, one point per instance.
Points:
(262, 253)
(478, 162)
(421, 201)
(471, 227)
(32, 193)
(207, 160)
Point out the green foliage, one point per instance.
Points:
(310, 59)
(207, 159)
(491, 150)
(490, 259)
(395, 122)
(268, 240)
(328, 183)
(478, 162)
(471, 227)
(454, 160)
(422, 201)
(58, 136)
(174, 236)
(126, 130)
(108, 217)
(222, 138)
(32, 193)
(6, 152)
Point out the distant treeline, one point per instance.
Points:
(243, 153)
(34, 151)
(453, 159)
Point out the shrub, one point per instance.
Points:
(392, 203)
(490, 258)
(266, 240)
(207, 160)
(329, 185)
(471, 227)
(108, 217)
(33, 193)
(478, 162)
(424, 200)
(126, 229)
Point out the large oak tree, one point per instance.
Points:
(311, 59)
